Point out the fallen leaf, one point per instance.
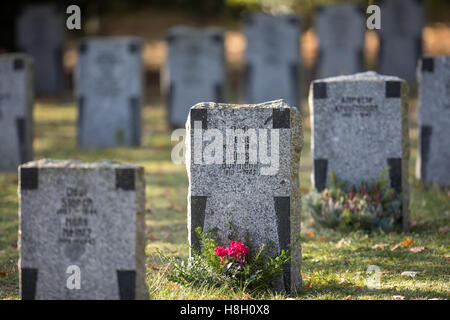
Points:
(379, 245)
(2, 274)
(247, 296)
(322, 239)
(309, 234)
(152, 266)
(411, 274)
(341, 280)
(310, 285)
(398, 297)
(405, 243)
(348, 297)
(340, 243)
(417, 249)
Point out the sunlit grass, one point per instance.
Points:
(329, 272)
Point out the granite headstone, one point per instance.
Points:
(433, 161)
(272, 58)
(194, 71)
(40, 33)
(400, 38)
(359, 128)
(82, 230)
(109, 91)
(16, 110)
(236, 187)
(341, 31)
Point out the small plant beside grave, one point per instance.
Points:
(372, 206)
(236, 266)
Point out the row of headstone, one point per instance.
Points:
(82, 224)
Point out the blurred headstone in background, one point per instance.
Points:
(272, 58)
(40, 33)
(359, 128)
(433, 161)
(341, 30)
(400, 38)
(109, 91)
(194, 70)
(16, 110)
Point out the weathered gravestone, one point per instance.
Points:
(109, 91)
(400, 38)
(195, 70)
(81, 230)
(40, 33)
(16, 110)
(341, 31)
(247, 177)
(360, 127)
(272, 58)
(433, 161)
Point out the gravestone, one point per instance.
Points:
(16, 110)
(400, 38)
(433, 161)
(109, 91)
(272, 58)
(341, 31)
(360, 127)
(195, 70)
(82, 230)
(40, 33)
(235, 186)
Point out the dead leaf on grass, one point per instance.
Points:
(411, 274)
(340, 243)
(417, 249)
(398, 297)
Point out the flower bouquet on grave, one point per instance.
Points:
(235, 266)
(372, 206)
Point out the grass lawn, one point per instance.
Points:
(334, 264)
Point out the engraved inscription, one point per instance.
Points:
(356, 107)
(76, 209)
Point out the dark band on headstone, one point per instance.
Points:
(247, 81)
(135, 121)
(198, 206)
(28, 283)
(218, 89)
(127, 284)
(425, 141)
(125, 179)
(18, 64)
(320, 173)
(281, 119)
(428, 64)
(393, 89)
(199, 115)
(320, 90)
(283, 210)
(82, 47)
(29, 178)
(21, 134)
(294, 82)
(134, 47)
(395, 173)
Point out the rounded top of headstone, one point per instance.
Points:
(362, 76)
(274, 104)
(51, 163)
